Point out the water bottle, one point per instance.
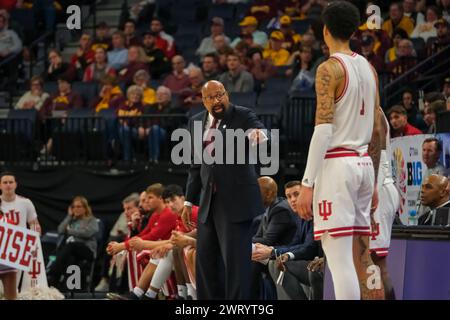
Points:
(412, 219)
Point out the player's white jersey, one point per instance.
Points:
(354, 108)
(19, 212)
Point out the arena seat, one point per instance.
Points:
(244, 99)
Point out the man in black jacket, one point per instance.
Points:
(229, 195)
(277, 228)
(434, 194)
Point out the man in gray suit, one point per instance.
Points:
(229, 197)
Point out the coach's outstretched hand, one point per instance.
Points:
(186, 217)
(305, 203)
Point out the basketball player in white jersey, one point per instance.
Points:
(339, 179)
(383, 217)
(19, 211)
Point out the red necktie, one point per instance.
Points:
(209, 141)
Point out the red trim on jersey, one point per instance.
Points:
(380, 252)
(343, 152)
(343, 231)
(338, 98)
(354, 54)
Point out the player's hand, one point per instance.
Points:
(374, 205)
(186, 216)
(136, 244)
(305, 203)
(161, 251)
(281, 261)
(112, 248)
(261, 252)
(257, 136)
(316, 265)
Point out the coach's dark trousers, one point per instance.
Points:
(223, 266)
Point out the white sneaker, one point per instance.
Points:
(103, 286)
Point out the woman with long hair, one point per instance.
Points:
(79, 229)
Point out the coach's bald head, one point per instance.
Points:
(269, 190)
(215, 98)
(435, 191)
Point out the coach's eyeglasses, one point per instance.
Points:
(218, 96)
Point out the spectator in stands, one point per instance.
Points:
(277, 226)
(110, 95)
(84, 55)
(434, 194)
(63, 101)
(118, 233)
(275, 52)
(261, 69)
(291, 38)
(236, 79)
(207, 44)
(444, 6)
(397, 36)
(407, 59)
(157, 62)
(58, 68)
(156, 128)
(427, 29)
(36, 98)
(99, 68)
(178, 79)
(304, 80)
(249, 26)
(431, 112)
(382, 41)
(164, 41)
(210, 66)
(118, 55)
(142, 79)
(102, 37)
(408, 102)
(222, 49)
(264, 10)
(10, 45)
(397, 19)
(129, 30)
(367, 46)
(431, 97)
(442, 40)
(323, 57)
(135, 62)
(79, 229)
(409, 10)
(129, 128)
(192, 95)
(446, 88)
(399, 121)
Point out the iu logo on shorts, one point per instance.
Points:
(375, 231)
(325, 209)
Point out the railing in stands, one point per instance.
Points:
(102, 140)
(425, 75)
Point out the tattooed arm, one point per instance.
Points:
(328, 83)
(378, 133)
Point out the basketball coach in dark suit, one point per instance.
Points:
(229, 199)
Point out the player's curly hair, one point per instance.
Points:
(342, 19)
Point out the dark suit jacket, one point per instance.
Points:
(303, 245)
(278, 225)
(236, 186)
(423, 218)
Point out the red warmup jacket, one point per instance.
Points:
(159, 227)
(194, 217)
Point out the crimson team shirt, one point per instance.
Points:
(194, 216)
